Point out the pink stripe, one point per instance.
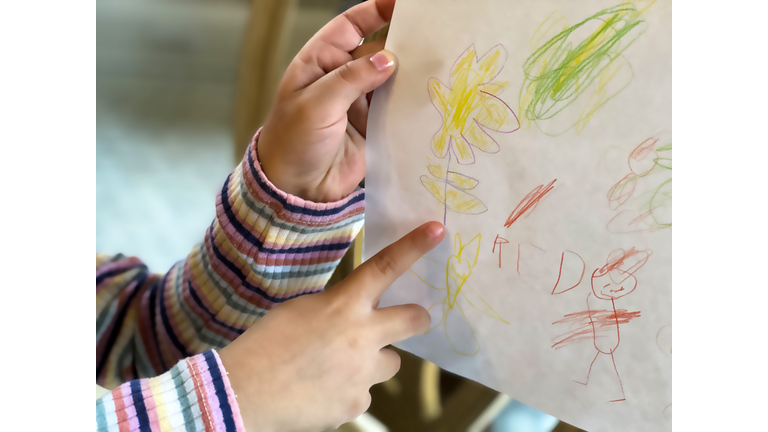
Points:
(101, 344)
(297, 218)
(261, 196)
(168, 293)
(248, 248)
(130, 409)
(291, 199)
(151, 405)
(209, 324)
(224, 272)
(144, 323)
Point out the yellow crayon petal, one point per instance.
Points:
(440, 143)
(438, 94)
(461, 181)
(490, 65)
(435, 168)
(480, 138)
(464, 154)
(462, 202)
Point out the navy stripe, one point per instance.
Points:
(211, 314)
(119, 323)
(167, 324)
(294, 208)
(221, 392)
(252, 239)
(153, 323)
(100, 277)
(242, 278)
(141, 408)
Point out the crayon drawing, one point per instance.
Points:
(664, 340)
(470, 107)
(498, 241)
(528, 127)
(575, 70)
(643, 197)
(459, 295)
(601, 322)
(529, 202)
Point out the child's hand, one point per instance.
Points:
(309, 364)
(313, 142)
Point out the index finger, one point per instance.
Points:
(374, 276)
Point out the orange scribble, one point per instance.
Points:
(581, 325)
(622, 264)
(499, 241)
(560, 274)
(529, 202)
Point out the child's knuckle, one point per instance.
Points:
(385, 264)
(348, 73)
(418, 319)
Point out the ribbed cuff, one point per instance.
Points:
(194, 396)
(283, 234)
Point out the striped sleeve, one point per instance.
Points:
(194, 395)
(264, 247)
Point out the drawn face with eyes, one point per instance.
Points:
(612, 284)
(616, 278)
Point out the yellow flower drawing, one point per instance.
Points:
(470, 106)
(449, 312)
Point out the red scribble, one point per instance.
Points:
(619, 193)
(641, 153)
(616, 226)
(518, 253)
(619, 268)
(499, 241)
(610, 282)
(581, 325)
(529, 203)
(625, 188)
(642, 161)
(560, 273)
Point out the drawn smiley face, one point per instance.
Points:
(612, 284)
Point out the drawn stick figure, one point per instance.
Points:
(601, 321)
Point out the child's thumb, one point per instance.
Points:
(347, 83)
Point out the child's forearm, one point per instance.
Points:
(264, 247)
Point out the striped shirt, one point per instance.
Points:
(264, 247)
(194, 395)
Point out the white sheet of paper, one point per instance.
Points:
(569, 280)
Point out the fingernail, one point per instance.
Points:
(382, 60)
(435, 230)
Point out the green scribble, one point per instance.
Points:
(562, 70)
(658, 200)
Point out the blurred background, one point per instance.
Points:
(181, 87)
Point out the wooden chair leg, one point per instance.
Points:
(258, 72)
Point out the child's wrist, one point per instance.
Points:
(277, 174)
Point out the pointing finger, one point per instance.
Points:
(374, 276)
